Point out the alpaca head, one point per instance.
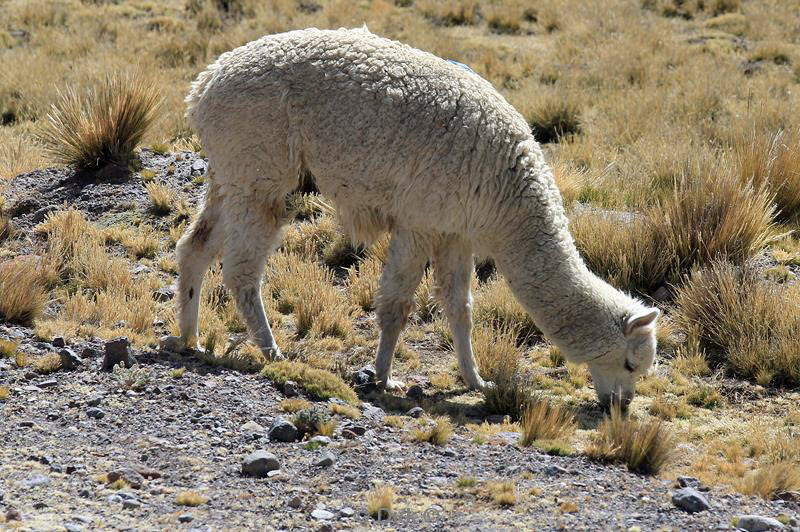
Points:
(615, 373)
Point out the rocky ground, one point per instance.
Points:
(154, 447)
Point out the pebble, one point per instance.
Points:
(72, 527)
(94, 400)
(295, 502)
(118, 350)
(416, 412)
(131, 504)
(252, 429)
(27, 423)
(555, 470)
(320, 440)
(756, 523)
(95, 413)
(283, 430)
(130, 476)
(326, 460)
(449, 452)
(349, 434)
(37, 479)
(59, 341)
(496, 419)
(164, 294)
(69, 359)
(114, 499)
(48, 383)
(690, 500)
(347, 512)
(186, 518)
(415, 392)
(259, 463)
(322, 515)
(290, 389)
(199, 167)
(364, 379)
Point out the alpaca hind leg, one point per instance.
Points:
(253, 232)
(195, 251)
(401, 275)
(452, 269)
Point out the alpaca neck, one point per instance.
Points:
(546, 274)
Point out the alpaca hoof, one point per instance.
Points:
(485, 386)
(273, 354)
(394, 386)
(173, 344)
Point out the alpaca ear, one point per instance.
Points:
(638, 322)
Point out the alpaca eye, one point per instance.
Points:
(629, 367)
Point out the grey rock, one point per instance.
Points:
(449, 452)
(26, 423)
(295, 502)
(118, 351)
(72, 527)
(95, 400)
(90, 352)
(496, 419)
(322, 515)
(283, 430)
(95, 413)
(756, 523)
(48, 383)
(690, 500)
(37, 479)
(688, 482)
(186, 518)
(290, 389)
(415, 392)
(253, 429)
(349, 434)
(164, 294)
(555, 470)
(259, 464)
(662, 294)
(320, 440)
(347, 512)
(131, 504)
(364, 379)
(359, 430)
(417, 411)
(59, 341)
(199, 167)
(326, 459)
(69, 359)
(114, 499)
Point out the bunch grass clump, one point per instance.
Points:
(437, 433)
(102, 125)
(644, 446)
(543, 420)
(318, 383)
(745, 324)
(772, 479)
(380, 502)
(23, 293)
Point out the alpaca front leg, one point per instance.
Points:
(401, 275)
(195, 252)
(452, 270)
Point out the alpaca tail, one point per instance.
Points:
(198, 91)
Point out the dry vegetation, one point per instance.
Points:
(670, 127)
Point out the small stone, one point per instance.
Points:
(48, 383)
(252, 429)
(295, 502)
(357, 429)
(164, 294)
(114, 499)
(95, 400)
(662, 294)
(186, 518)
(415, 392)
(85, 493)
(349, 434)
(554, 470)
(290, 389)
(95, 413)
(36, 479)
(199, 167)
(449, 452)
(118, 351)
(496, 419)
(89, 352)
(688, 482)
(283, 430)
(690, 500)
(72, 527)
(417, 411)
(27, 423)
(791, 496)
(12, 514)
(59, 341)
(259, 464)
(756, 523)
(322, 515)
(128, 475)
(347, 512)
(364, 379)
(320, 440)
(326, 460)
(131, 504)
(69, 359)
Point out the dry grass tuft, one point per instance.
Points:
(190, 498)
(552, 115)
(294, 405)
(47, 364)
(5, 393)
(22, 290)
(346, 411)
(645, 447)
(438, 433)
(102, 125)
(161, 198)
(502, 493)
(748, 325)
(542, 420)
(496, 307)
(495, 351)
(770, 480)
(319, 383)
(380, 501)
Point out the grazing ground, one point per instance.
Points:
(672, 129)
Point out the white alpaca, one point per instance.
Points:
(401, 141)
